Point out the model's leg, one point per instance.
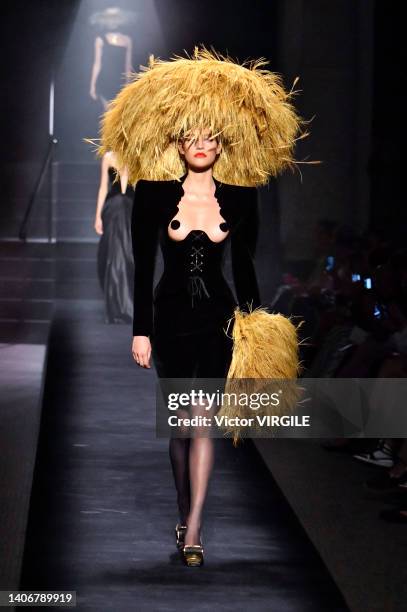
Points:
(179, 456)
(201, 461)
(172, 361)
(216, 354)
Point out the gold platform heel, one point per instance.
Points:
(180, 535)
(193, 554)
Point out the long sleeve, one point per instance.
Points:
(243, 246)
(144, 233)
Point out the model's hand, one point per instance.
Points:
(141, 350)
(98, 225)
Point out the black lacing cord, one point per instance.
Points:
(196, 285)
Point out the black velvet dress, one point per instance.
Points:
(111, 77)
(187, 313)
(114, 256)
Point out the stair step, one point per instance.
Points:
(19, 248)
(77, 230)
(73, 189)
(14, 310)
(29, 289)
(79, 171)
(83, 269)
(79, 289)
(38, 228)
(16, 268)
(78, 208)
(24, 332)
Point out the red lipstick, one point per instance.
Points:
(200, 155)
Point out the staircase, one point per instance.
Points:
(77, 189)
(27, 291)
(33, 274)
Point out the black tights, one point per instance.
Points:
(179, 455)
(201, 355)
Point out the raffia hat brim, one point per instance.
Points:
(245, 106)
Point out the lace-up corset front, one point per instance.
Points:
(193, 214)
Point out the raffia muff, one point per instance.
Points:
(265, 358)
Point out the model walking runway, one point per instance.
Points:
(103, 509)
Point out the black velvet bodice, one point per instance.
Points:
(192, 294)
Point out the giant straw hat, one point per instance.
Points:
(244, 105)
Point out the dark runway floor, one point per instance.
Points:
(104, 509)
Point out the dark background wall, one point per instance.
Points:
(329, 45)
(386, 164)
(34, 36)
